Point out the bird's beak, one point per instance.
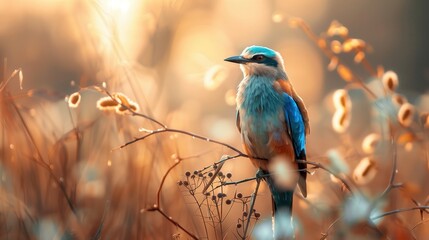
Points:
(237, 59)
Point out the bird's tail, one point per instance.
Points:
(282, 209)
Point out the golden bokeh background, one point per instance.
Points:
(167, 55)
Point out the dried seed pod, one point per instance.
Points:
(333, 64)
(398, 99)
(365, 171)
(107, 103)
(370, 142)
(341, 100)
(122, 98)
(345, 73)
(120, 109)
(390, 80)
(353, 44)
(359, 57)
(406, 137)
(337, 29)
(340, 120)
(74, 100)
(406, 114)
(336, 46)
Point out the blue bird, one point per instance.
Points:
(272, 120)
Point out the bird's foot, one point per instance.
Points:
(260, 174)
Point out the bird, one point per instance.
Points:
(273, 121)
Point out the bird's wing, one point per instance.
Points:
(297, 127)
(295, 123)
(287, 87)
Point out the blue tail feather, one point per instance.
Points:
(282, 209)
(282, 199)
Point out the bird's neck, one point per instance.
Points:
(256, 95)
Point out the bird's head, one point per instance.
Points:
(257, 60)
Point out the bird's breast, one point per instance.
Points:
(262, 119)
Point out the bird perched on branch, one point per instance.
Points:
(273, 122)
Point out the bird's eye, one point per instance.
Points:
(258, 57)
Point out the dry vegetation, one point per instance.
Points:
(110, 161)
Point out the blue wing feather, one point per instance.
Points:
(296, 129)
(295, 124)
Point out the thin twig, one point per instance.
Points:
(319, 165)
(325, 235)
(193, 135)
(399, 211)
(157, 207)
(252, 205)
(170, 219)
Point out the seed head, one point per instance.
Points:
(406, 114)
(390, 80)
(74, 100)
(341, 120)
(365, 171)
(370, 142)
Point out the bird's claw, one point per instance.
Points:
(260, 174)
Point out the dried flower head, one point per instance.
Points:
(406, 114)
(365, 171)
(359, 57)
(390, 80)
(119, 102)
(121, 109)
(122, 98)
(398, 99)
(107, 104)
(405, 138)
(341, 99)
(353, 44)
(74, 100)
(341, 120)
(370, 142)
(333, 63)
(336, 46)
(337, 29)
(345, 73)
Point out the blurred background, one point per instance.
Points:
(168, 57)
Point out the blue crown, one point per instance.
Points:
(253, 50)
